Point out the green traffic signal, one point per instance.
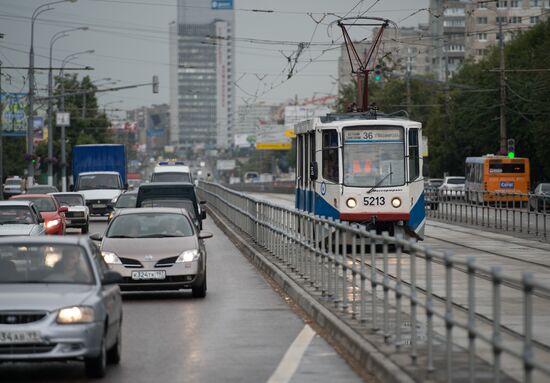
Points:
(377, 77)
(511, 154)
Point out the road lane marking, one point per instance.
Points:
(293, 356)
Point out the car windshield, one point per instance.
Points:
(16, 215)
(181, 203)
(456, 181)
(23, 263)
(374, 156)
(126, 200)
(150, 225)
(435, 183)
(171, 177)
(545, 188)
(70, 200)
(98, 181)
(42, 203)
(13, 182)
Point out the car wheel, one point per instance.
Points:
(115, 352)
(96, 367)
(85, 229)
(200, 291)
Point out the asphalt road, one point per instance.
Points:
(243, 331)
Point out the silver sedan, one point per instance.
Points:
(59, 301)
(20, 218)
(156, 249)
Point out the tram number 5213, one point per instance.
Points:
(374, 201)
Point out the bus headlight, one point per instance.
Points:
(396, 202)
(351, 203)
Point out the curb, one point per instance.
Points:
(355, 346)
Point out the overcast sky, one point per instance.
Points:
(130, 39)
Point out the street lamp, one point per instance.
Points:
(65, 61)
(55, 37)
(30, 121)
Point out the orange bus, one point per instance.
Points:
(493, 178)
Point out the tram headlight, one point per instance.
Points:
(351, 203)
(396, 202)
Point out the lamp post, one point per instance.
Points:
(62, 109)
(55, 37)
(30, 121)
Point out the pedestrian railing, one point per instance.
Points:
(512, 212)
(420, 301)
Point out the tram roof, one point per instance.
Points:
(307, 125)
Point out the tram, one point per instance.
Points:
(363, 168)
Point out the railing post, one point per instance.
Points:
(527, 282)
(373, 279)
(496, 279)
(471, 319)
(414, 341)
(363, 275)
(398, 290)
(449, 314)
(429, 309)
(385, 285)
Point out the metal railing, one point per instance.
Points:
(417, 299)
(512, 212)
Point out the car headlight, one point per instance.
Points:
(396, 202)
(76, 314)
(188, 256)
(52, 223)
(351, 203)
(111, 258)
(110, 216)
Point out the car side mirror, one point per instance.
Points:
(63, 209)
(40, 219)
(111, 277)
(202, 202)
(205, 234)
(313, 170)
(71, 187)
(203, 214)
(125, 186)
(96, 237)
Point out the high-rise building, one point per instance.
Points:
(448, 36)
(202, 70)
(486, 18)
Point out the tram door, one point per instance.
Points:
(310, 139)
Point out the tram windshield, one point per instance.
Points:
(374, 156)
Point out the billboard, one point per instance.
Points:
(38, 128)
(14, 114)
(294, 114)
(272, 137)
(222, 165)
(222, 4)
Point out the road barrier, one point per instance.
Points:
(512, 212)
(391, 287)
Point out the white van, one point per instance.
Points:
(171, 171)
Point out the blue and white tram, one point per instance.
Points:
(362, 168)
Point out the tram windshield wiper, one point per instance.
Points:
(380, 182)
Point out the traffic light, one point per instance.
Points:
(378, 72)
(155, 84)
(511, 145)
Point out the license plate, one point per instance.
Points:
(147, 275)
(20, 337)
(99, 206)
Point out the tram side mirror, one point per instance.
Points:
(313, 170)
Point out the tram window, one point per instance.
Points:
(330, 155)
(414, 161)
(300, 167)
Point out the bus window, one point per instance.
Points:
(330, 155)
(508, 168)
